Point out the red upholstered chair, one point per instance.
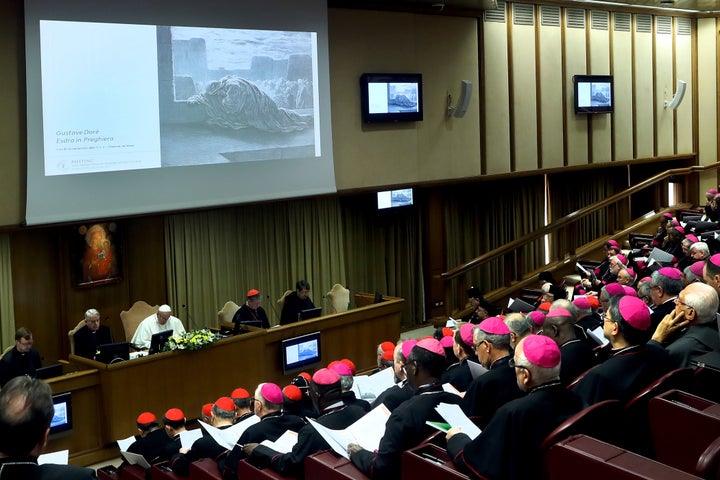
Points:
(708, 465)
(162, 471)
(585, 457)
(682, 427)
(248, 471)
(131, 472)
(593, 421)
(108, 472)
(637, 424)
(327, 466)
(429, 461)
(205, 469)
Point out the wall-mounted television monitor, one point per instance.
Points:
(391, 97)
(300, 352)
(593, 93)
(62, 418)
(158, 341)
(113, 352)
(395, 198)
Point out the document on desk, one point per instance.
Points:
(455, 417)
(366, 432)
(135, 459)
(284, 443)
(369, 387)
(228, 437)
(188, 437)
(57, 458)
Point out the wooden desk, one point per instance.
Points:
(189, 379)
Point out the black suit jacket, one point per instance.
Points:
(87, 341)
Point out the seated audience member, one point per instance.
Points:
(152, 441)
(251, 313)
(296, 302)
(334, 414)
(243, 404)
(673, 241)
(458, 374)
(401, 391)
(694, 318)
(206, 413)
(222, 417)
(174, 422)
(711, 272)
(26, 410)
(692, 274)
(158, 322)
(633, 364)
(91, 335)
(577, 356)
(519, 426)
(346, 383)
(384, 355)
(273, 423)
(292, 396)
(498, 386)
(520, 326)
(643, 291)
(481, 308)
(665, 284)
(20, 360)
(303, 408)
(587, 318)
(699, 251)
(685, 259)
(626, 277)
(407, 425)
(536, 318)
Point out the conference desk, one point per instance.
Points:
(189, 379)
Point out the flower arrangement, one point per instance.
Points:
(192, 340)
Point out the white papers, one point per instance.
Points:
(366, 432)
(451, 323)
(369, 387)
(450, 389)
(454, 415)
(584, 270)
(188, 437)
(135, 459)
(228, 437)
(57, 458)
(476, 369)
(661, 256)
(284, 444)
(124, 443)
(597, 335)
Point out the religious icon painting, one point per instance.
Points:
(95, 254)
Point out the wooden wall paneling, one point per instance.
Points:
(448, 147)
(684, 129)
(664, 85)
(497, 94)
(623, 124)
(36, 288)
(550, 81)
(707, 98)
(643, 86)
(524, 87)
(575, 48)
(599, 62)
(145, 262)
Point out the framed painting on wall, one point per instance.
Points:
(95, 254)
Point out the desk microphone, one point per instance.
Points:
(187, 311)
(270, 302)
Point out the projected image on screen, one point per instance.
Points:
(144, 96)
(302, 352)
(594, 94)
(60, 417)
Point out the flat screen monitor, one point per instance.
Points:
(158, 341)
(395, 198)
(113, 352)
(593, 93)
(310, 313)
(391, 97)
(300, 352)
(51, 371)
(62, 417)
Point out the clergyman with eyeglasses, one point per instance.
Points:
(22, 359)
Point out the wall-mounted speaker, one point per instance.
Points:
(458, 110)
(678, 97)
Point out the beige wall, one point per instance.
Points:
(520, 117)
